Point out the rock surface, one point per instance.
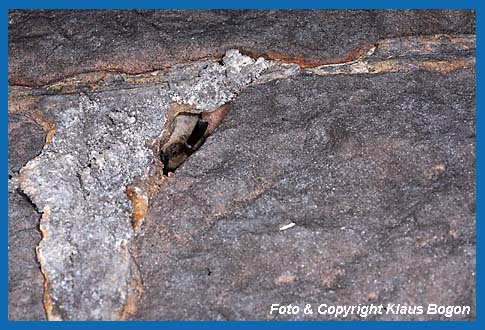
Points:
(376, 172)
(25, 141)
(49, 45)
(96, 173)
(341, 184)
(25, 281)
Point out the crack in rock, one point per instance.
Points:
(99, 170)
(440, 53)
(102, 156)
(186, 138)
(206, 83)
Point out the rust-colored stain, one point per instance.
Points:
(97, 80)
(134, 290)
(27, 106)
(132, 299)
(139, 204)
(304, 62)
(441, 66)
(464, 42)
(215, 118)
(50, 134)
(446, 67)
(152, 77)
(22, 101)
(72, 84)
(136, 63)
(48, 303)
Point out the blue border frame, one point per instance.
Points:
(234, 4)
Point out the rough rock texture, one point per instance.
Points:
(208, 85)
(48, 45)
(103, 148)
(79, 184)
(368, 164)
(25, 281)
(376, 172)
(25, 141)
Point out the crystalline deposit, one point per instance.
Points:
(208, 85)
(79, 182)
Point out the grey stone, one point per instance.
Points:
(25, 141)
(25, 281)
(378, 174)
(51, 44)
(104, 151)
(343, 174)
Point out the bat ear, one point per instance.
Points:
(176, 150)
(203, 125)
(164, 158)
(197, 134)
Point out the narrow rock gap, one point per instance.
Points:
(189, 129)
(189, 132)
(187, 136)
(27, 198)
(38, 229)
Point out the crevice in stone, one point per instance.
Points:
(385, 55)
(47, 301)
(186, 138)
(27, 198)
(124, 142)
(187, 134)
(187, 127)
